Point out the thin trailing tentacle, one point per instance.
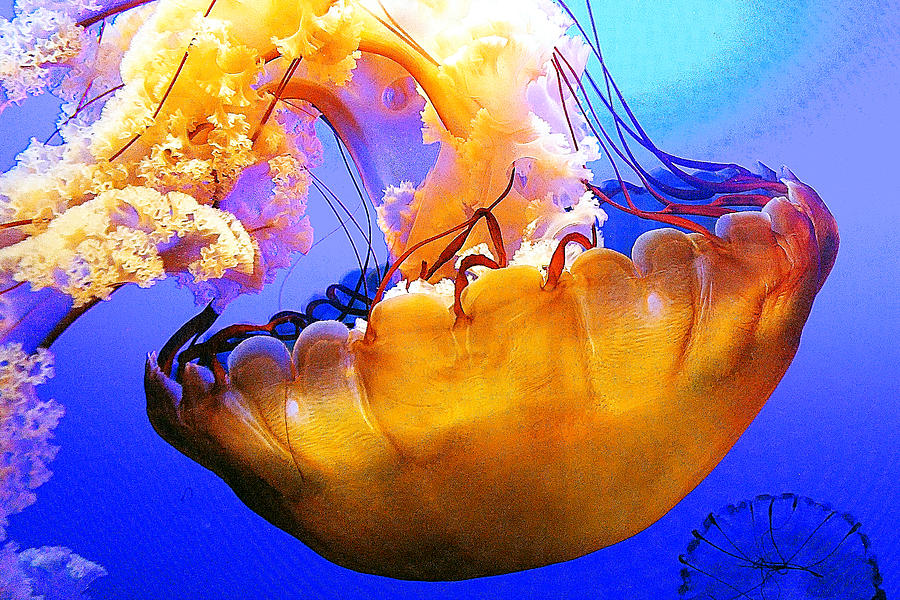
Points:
(465, 224)
(558, 260)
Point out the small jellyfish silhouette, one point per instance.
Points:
(784, 547)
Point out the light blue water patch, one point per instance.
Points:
(681, 59)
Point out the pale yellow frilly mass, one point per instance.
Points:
(140, 188)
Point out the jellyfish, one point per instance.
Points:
(785, 546)
(504, 393)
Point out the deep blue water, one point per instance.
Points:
(815, 86)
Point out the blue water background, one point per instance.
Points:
(814, 85)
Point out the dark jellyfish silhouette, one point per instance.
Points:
(785, 547)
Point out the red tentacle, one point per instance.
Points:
(472, 260)
(558, 260)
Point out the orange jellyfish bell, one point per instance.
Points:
(524, 396)
(545, 422)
